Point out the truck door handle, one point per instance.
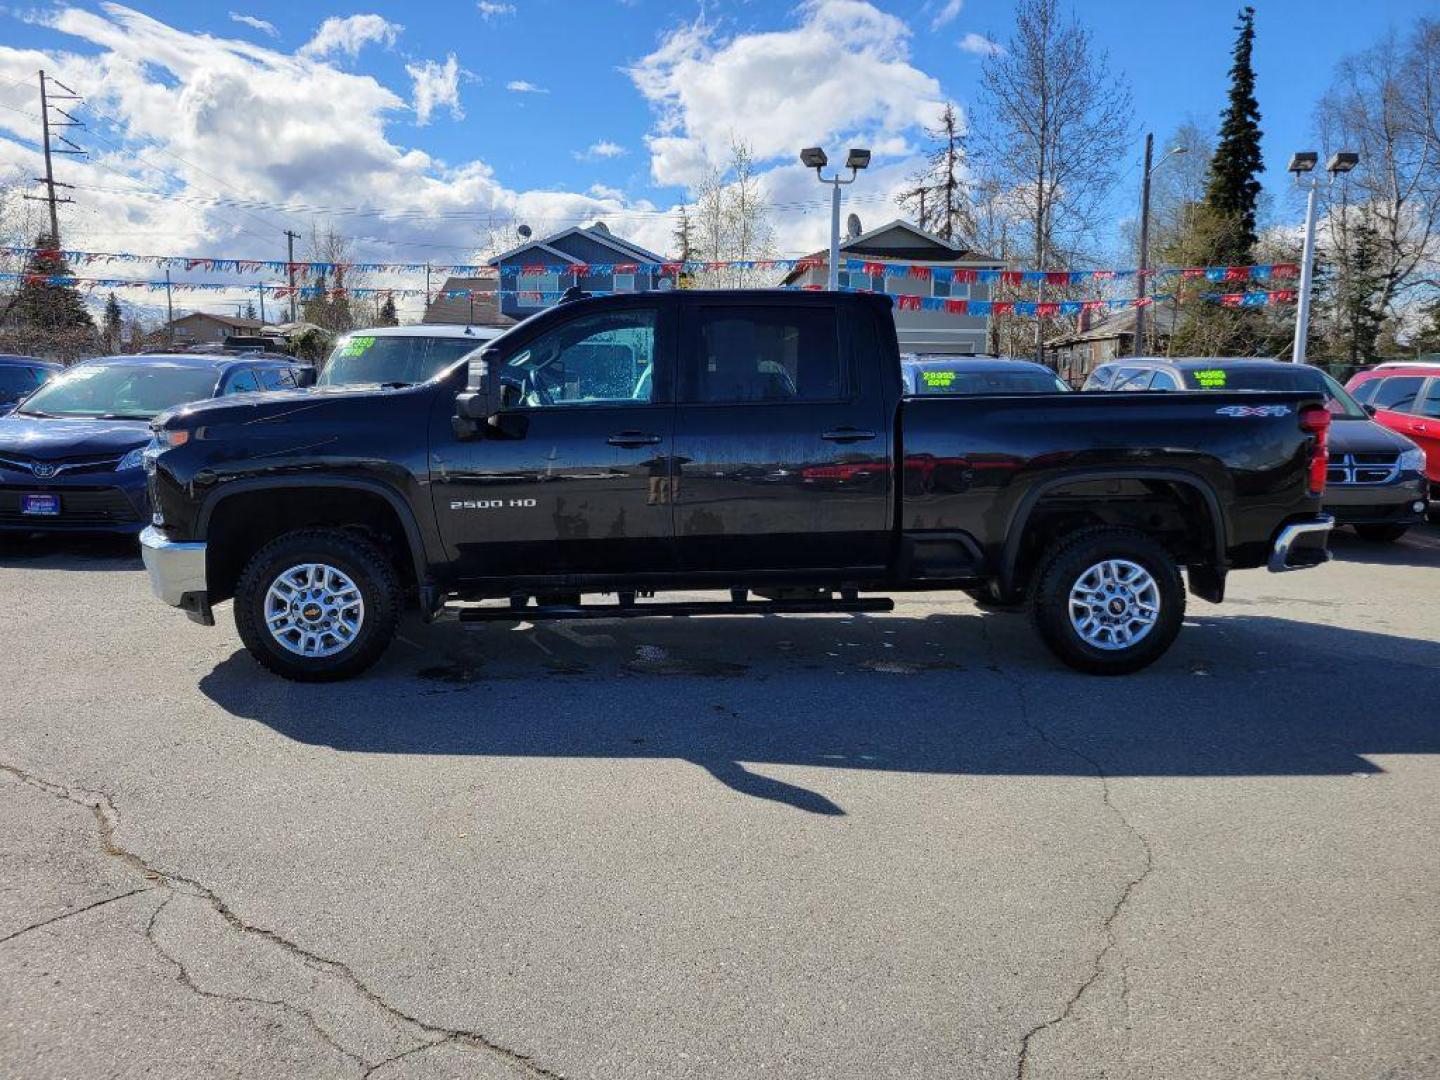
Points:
(847, 434)
(633, 439)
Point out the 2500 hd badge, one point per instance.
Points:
(491, 504)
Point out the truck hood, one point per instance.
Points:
(1365, 437)
(45, 439)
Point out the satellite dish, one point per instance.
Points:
(852, 227)
(600, 226)
(523, 232)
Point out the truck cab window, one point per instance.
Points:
(764, 354)
(604, 359)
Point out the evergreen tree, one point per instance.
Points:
(114, 319)
(940, 199)
(250, 311)
(684, 237)
(387, 313)
(1233, 190)
(1358, 297)
(46, 308)
(316, 309)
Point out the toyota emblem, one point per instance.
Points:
(42, 469)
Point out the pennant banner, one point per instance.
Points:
(963, 275)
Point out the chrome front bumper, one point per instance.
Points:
(177, 571)
(1302, 545)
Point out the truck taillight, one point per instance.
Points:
(1315, 420)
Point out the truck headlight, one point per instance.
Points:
(1412, 460)
(133, 460)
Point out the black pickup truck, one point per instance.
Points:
(756, 443)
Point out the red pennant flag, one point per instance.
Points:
(965, 277)
(1231, 300)
(1237, 273)
(874, 269)
(921, 272)
(1013, 277)
(1192, 272)
(1284, 270)
(1095, 305)
(1283, 296)
(1057, 277)
(1002, 307)
(1047, 311)
(957, 307)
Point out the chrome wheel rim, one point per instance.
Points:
(314, 610)
(1114, 604)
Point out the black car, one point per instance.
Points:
(1376, 482)
(20, 376)
(926, 374)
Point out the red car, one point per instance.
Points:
(1405, 397)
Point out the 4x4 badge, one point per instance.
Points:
(1253, 410)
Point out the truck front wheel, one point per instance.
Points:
(1108, 601)
(317, 605)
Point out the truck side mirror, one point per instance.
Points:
(1371, 409)
(480, 401)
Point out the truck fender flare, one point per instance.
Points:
(311, 483)
(1011, 553)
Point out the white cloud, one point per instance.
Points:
(489, 9)
(843, 71)
(522, 86)
(435, 85)
(602, 149)
(946, 14)
(314, 136)
(255, 24)
(980, 45)
(349, 35)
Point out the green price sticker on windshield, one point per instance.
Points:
(938, 380)
(357, 346)
(1211, 379)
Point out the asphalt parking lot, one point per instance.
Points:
(888, 846)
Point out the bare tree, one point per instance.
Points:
(731, 221)
(1384, 104)
(1057, 124)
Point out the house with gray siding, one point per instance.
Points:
(523, 287)
(899, 242)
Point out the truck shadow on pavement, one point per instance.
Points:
(1239, 695)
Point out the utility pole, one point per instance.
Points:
(45, 138)
(1138, 346)
(169, 308)
(290, 238)
(261, 290)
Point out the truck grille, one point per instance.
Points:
(78, 507)
(1361, 469)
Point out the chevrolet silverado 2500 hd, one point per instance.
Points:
(757, 443)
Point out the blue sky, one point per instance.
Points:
(556, 110)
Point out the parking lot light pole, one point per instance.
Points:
(812, 157)
(1140, 279)
(1302, 164)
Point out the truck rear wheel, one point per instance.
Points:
(317, 605)
(1108, 601)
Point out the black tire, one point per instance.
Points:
(1061, 570)
(352, 555)
(1381, 534)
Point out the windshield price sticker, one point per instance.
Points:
(357, 346)
(1211, 378)
(938, 379)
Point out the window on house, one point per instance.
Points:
(623, 283)
(538, 283)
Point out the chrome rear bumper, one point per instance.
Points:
(1301, 545)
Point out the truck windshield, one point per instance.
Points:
(942, 380)
(371, 359)
(120, 391)
(1281, 377)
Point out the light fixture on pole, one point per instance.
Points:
(812, 157)
(1141, 278)
(1301, 164)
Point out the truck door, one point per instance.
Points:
(781, 454)
(580, 480)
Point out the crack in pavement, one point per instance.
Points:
(1107, 926)
(107, 818)
(71, 914)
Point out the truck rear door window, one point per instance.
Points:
(764, 354)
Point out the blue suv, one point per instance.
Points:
(20, 376)
(71, 451)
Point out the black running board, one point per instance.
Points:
(676, 610)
